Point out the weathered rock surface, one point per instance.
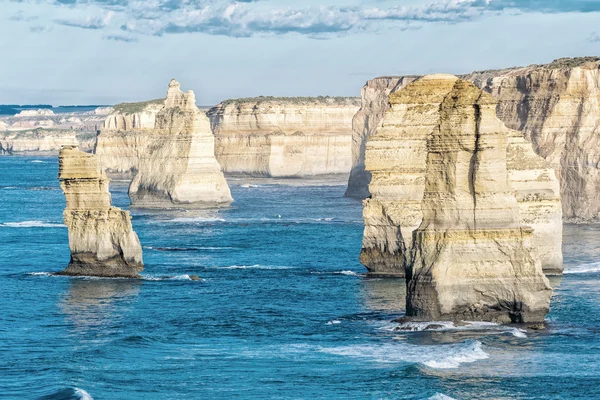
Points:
(168, 147)
(470, 257)
(284, 137)
(374, 103)
(35, 113)
(101, 238)
(396, 156)
(557, 107)
(42, 141)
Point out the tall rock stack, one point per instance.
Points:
(374, 104)
(471, 259)
(101, 237)
(396, 157)
(168, 147)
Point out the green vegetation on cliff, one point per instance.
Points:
(132, 108)
(297, 100)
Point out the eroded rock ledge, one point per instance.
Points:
(101, 238)
(469, 257)
(168, 147)
(284, 137)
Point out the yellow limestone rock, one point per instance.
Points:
(557, 107)
(101, 237)
(169, 148)
(374, 104)
(284, 137)
(396, 157)
(471, 258)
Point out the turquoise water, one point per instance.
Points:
(283, 309)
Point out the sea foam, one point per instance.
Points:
(32, 224)
(583, 268)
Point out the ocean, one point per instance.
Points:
(283, 310)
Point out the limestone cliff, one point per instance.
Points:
(374, 103)
(168, 146)
(284, 137)
(396, 156)
(557, 107)
(44, 141)
(101, 237)
(471, 258)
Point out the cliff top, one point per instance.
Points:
(566, 62)
(335, 100)
(131, 108)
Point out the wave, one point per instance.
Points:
(433, 356)
(192, 220)
(68, 394)
(40, 273)
(33, 224)
(184, 277)
(8, 187)
(445, 326)
(38, 162)
(440, 396)
(334, 322)
(255, 266)
(186, 248)
(247, 185)
(348, 273)
(583, 268)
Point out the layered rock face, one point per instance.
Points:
(557, 107)
(396, 156)
(169, 148)
(41, 141)
(101, 237)
(471, 258)
(284, 137)
(374, 103)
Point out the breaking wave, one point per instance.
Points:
(440, 396)
(583, 268)
(444, 326)
(184, 277)
(68, 394)
(32, 224)
(433, 356)
(255, 266)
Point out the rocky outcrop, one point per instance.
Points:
(557, 107)
(42, 141)
(101, 238)
(168, 147)
(374, 103)
(35, 113)
(284, 137)
(396, 156)
(470, 258)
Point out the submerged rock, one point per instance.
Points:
(169, 148)
(471, 258)
(396, 156)
(101, 238)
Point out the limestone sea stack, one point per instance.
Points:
(284, 136)
(396, 156)
(557, 107)
(374, 103)
(168, 147)
(471, 258)
(101, 238)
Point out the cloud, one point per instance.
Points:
(244, 18)
(88, 22)
(594, 37)
(120, 38)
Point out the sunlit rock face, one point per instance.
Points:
(284, 137)
(557, 107)
(101, 238)
(168, 148)
(374, 104)
(396, 159)
(454, 190)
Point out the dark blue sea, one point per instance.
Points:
(283, 309)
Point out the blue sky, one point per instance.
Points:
(108, 51)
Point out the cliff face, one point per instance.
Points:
(43, 141)
(101, 237)
(169, 149)
(284, 137)
(471, 258)
(396, 156)
(374, 103)
(557, 107)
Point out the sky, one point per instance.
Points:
(64, 52)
